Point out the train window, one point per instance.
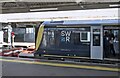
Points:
(51, 37)
(85, 36)
(44, 42)
(96, 37)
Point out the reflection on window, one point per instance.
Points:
(44, 42)
(48, 39)
(51, 37)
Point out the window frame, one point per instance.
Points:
(88, 36)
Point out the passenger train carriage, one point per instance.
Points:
(74, 38)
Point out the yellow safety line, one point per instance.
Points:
(39, 36)
(64, 65)
(64, 56)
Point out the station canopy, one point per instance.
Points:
(26, 6)
(21, 6)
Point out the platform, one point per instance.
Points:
(38, 67)
(75, 58)
(30, 55)
(19, 44)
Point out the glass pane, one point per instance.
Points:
(84, 36)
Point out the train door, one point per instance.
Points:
(116, 43)
(96, 42)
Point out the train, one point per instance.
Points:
(80, 35)
(71, 38)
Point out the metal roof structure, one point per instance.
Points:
(25, 6)
(60, 1)
(21, 6)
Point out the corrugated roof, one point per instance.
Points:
(17, 6)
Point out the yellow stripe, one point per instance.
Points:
(39, 36)
(65, 56)
(65, 65)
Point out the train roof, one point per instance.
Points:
(72, 22)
